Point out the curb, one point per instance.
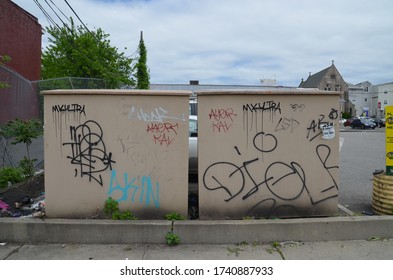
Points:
(36, 231)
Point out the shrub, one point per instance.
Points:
(172, 238)
(345, 115)
(112, 208)
(173, 216)
(27, 167)
(10, 174)
(23, 132)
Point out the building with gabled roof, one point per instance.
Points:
(330, 79)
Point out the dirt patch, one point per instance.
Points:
(24, 198)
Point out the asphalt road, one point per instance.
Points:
(362, 152)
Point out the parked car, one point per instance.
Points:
(379, 122)
(348, 122)
(193, 145)
(363, 123)
(342, 121)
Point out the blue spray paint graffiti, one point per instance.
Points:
(143, 193)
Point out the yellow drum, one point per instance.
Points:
(382, 199)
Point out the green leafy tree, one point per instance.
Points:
(74, 51)
(142, 72)
(4, 59)
(23, 132)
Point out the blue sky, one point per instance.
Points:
(243, 41)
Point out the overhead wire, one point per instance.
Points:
(60, 11)
(84, 25)
(46, 14)
(55, 13)
(53, 22)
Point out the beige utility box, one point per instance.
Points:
(125, 144)
(268, 153)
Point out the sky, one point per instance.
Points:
(240, 42)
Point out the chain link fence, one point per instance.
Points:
(65, 83)
(70, 83)
(21, 99)
(18, 100)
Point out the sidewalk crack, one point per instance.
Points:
(144, 252)
(13, 252)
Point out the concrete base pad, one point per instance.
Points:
(35, 231)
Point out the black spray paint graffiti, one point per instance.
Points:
(266, 106)
(270, 107)
(289, 123)
(88, 151)
(323, 153)
(64, 113)
(69, 108)
(286, 181)
(297, 107)
(253, 111)
(314, 130)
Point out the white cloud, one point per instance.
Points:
(239, 42)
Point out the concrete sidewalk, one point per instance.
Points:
(371, 249)
(331, 238)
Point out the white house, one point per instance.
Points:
(382, 96)
(361, 97)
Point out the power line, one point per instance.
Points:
(60, 11)
(79, 18)
(48, 17)
(52, 22)
(55, 12)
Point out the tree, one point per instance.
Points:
(142, 73)
(75, 51)
(24, 132)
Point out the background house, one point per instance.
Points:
(330, 79)
(370, 100)
(382, 96)
(360, 96)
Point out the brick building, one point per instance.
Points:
(20, 39)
